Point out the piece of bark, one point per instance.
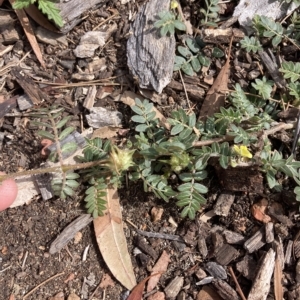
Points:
(216, 270)
(261, 285)
(195, 92)
(174, 287)
(69, 232)
(71, 11)
(208, 293)
(247, 267)
(225, 290)
(151, 56)
(217, 241)
(232, 237)
(215, 97)
(43, 182)
(288, 253)
(90, 97)
(202, 247)
(273, 68)
(223, 204)
(279, 217)
(226, 254)
(74, 137)
(7, 105)
(146, 248)
(223, 36)
(256, 241)
(24, 102)
(297, 269)
(269, 227)
(29, 86)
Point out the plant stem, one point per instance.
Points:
(64, 168)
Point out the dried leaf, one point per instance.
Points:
(159, 268)
(112, 242)
(137, 292)
(258, 211)
(128, 98)
(278, 288)
(215, 97)
(38, 17)
(29, 33)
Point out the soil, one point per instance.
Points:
(28, 231)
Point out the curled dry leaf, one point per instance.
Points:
(156, 214)
(258, 211)
(159, 268)
(137, 291)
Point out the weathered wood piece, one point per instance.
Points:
(247, 267)
(271, 65)
(202, 247)
(90, 97)
(261, 285)
(70, 11)
(232, 237)
(225, 290)
(216, 270)
(269, 227)
(223, 204)
(29, 86)
(146, 248)
(69, 232)
(288, 253)
(174, 287)
(24, 102)
(150, 56)
(194, 91)
(226, 254)
(256, 241)
(74, 137)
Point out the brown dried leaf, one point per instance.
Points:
(112, 242)
(137, 292)
(215, 97)
(258, 211)
(160, 267)
(38, 17)
(278, 288)
(29, 33)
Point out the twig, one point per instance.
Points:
(239, 290)
(24, 261)
(94, 292)
(164, 236)
(184, 88)
(44, 282)
(102, 23)
(227, 138)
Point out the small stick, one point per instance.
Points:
(239, 290)
(44, 282)
(94, 292)
(24, 261)
(184, 88)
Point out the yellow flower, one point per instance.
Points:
(174, 4)
(242, 151)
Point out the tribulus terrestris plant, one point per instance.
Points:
(183, 147)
